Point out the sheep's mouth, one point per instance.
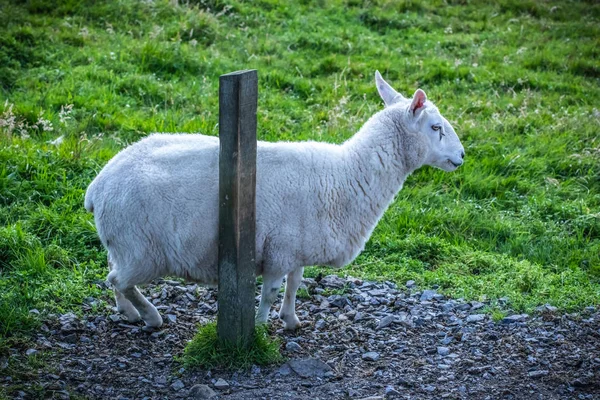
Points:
(454, 164)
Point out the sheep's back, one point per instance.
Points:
(158, 200)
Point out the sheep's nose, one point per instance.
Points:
(462, 155)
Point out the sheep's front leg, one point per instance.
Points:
(288, 308)
(268, 295)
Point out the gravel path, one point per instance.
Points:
(373, 340)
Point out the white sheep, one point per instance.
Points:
(156, 202)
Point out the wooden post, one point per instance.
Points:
(238, 98)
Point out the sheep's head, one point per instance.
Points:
(422, 117)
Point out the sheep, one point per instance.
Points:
(155, 203)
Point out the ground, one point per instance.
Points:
(373, 339)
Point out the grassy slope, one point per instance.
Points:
(518, 79)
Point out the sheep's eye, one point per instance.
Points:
(438, 128)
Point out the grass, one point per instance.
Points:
(206, 351)
(81, 79)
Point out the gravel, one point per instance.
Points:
(178, 385)
(221, 384)
(475, 317)
(201, 392)
(293, 347)
(375, 340)
(443, 351)
(371, 356)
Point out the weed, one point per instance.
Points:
(208, 352)
(303, 293)
(497, 315)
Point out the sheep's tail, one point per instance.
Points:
(88, 202)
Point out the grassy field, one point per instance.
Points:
(519, 80)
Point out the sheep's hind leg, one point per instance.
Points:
(124, 306)
(268, 295)
(288, 308)
(147, 311)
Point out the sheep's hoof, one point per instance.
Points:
(290, 323)
(133, 318)
(131, 313)
(154, 322)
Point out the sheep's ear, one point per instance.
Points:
(418, 102)
(387, 93)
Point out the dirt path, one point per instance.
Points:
(374, 340)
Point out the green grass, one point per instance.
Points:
(518, 79)
(206, 351)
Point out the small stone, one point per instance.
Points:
(71, 338)
(410, 284)
(475, 317)
(31, 352)
(221, 384)
(136, 355)
(447, 340)
(429, 388)
(537, 374)
(385, 322)
(67, 318)
(308, 368)
(284, 370)
(371, 356)
(171, 318)
(320, 324)
(391, 393)
(200, 392)
(115, 317)
(463, 307)
(333, 281)
(443, 351)
(511, 319)
(293, 347)
(427, 295)
(580, 383)
(338, 301)
(178, 385)
(476, 305)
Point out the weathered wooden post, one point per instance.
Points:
(238, 98)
